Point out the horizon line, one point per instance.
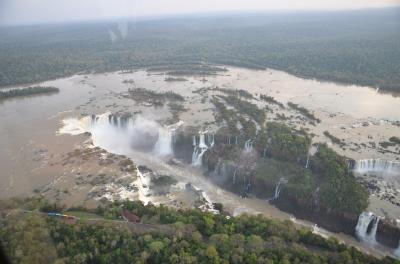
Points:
(199, 14)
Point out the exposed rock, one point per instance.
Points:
(388, 234)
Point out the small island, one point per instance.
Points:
(28, 91)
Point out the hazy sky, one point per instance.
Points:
(38, 11)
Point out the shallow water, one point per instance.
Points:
(356, 101)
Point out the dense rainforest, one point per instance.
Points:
(356, 47)
(322, 182)
(326, 186)
(164, 235)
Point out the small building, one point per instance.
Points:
(128, 216)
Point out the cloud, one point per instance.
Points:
(41, 11)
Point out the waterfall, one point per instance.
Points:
(211, 140)
(166, 137)
(278, 188)
(307, 161)
(265, 152)
(234, 176)
(205, 142)
(93, 119)
(248, 185)
(248, 145)
(218, 167)
(374, 229)
(202, 143)
(230, 140)
(122, 134)
(195, 156)
(194, 141)
(377, 165)
(163, 145)
(364, 221)
(312, 150)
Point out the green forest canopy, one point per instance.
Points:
(198, 237)
(359, 47)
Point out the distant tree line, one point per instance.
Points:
(358, 47)
(28, 91)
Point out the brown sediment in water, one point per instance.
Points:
(34, 157)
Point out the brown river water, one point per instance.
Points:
(34, 133)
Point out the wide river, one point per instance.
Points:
(29, 125)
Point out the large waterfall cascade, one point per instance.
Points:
(125, 130)
(364, 221)
(377, 165)
(200, 146)
(166, 138)
(367, 227)
(163, 146)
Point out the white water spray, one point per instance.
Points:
(197, 156)
(205, 142)
(377, 165)
(202, 143)
(364, 221)
(166, 137)
(248, 145)
(142, 184)
(163, 146)
(123, 134)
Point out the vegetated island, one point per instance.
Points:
(130, 232)
(28, 91)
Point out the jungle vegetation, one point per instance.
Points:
(325, 185)
(355, 47)
(183, 236)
